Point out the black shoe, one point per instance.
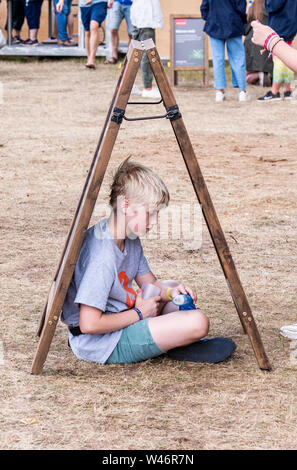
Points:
(16, 40)
(270, 97)
(210, 350)
(31, 42)
(287, 95)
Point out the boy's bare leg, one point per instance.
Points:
(178, 328)
(70, 22)
(94, 42)
(33, 34)
(114, 42)
(87, 43)
(275, 88)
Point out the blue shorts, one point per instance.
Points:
(117, 14)
(136, 344)
(96, 12)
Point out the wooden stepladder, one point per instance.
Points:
(91, 189)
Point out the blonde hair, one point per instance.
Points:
(136, 182)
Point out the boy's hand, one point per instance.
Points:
(110, 3)
(59, 6)
(87, 2)
(182, 289)
(148, 307)
(260, 32)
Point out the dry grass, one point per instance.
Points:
(51, 119)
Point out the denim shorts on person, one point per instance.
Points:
(96, 12)
(117, 14)
(135, 345)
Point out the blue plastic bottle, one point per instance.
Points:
(184, 302)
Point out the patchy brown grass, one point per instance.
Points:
(51, 119)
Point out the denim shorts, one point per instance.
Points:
(135, 345)
(96, 12)
(117, 14)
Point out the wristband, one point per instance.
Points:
(167, 292)
(138, 313)
(279, 39)
(268, 39)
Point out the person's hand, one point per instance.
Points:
(110, 3)
(182, 289)
(260, 32)
(87, 2)
(148, 307)
(59, 6)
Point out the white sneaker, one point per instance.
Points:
(243, 96)
(289, 331)
(220, 96)
(153, 93)
(135, 90)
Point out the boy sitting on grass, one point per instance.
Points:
(108, 321)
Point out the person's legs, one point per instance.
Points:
(85, 13)
(218, 60)
(236, 55)
(126, 13)
(94, 42)
(33, 11)
(288, 79)
(91, 18)
(97, 15)
(178, 328)
(87, 43)
(108, 36)
(62, 21)
(234, 80)
(18, 16)
(146, 71)
(70, 21)
(252, 77)
(143, 340)
(277, 79)
(115, 19)
(114, 43)
(135, 345)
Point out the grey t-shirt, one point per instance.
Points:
(103, 279)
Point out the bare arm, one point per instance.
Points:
(181, 288)
(282, 50)
(60, 6)
(150, 278)
(94, 321)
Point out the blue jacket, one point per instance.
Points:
(224, 19)
(282, 17)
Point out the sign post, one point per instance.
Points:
(188, 46)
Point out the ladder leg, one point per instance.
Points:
(85, 208)
(212, 221)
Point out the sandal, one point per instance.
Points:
(90, 66)
(113, 61)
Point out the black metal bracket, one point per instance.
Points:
(118, 115)
(172, 114)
